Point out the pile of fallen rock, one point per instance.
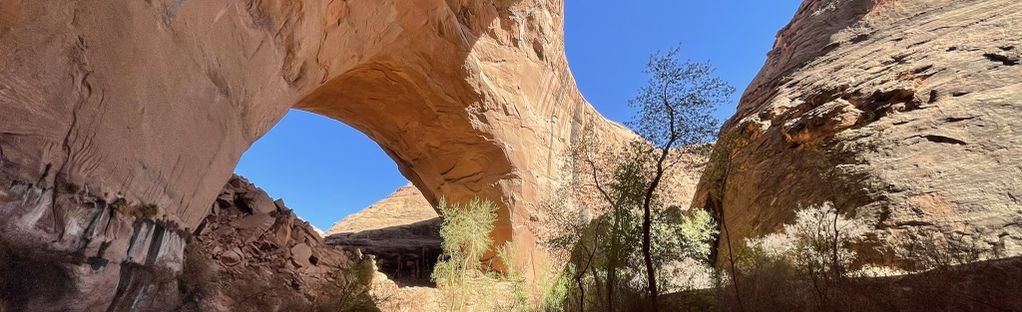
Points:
(264, 257)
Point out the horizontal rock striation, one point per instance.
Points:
(402, 232)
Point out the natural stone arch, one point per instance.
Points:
(113, 126)
(442, 154)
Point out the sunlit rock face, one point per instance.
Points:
(402, 232)
(251, 253)
(122, 120)
(406, 205)
(904, 113)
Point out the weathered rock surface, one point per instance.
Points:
(401, 231)
(247, 257)
(904, 113)
(405, 206)
(406, 253)
(118, 133)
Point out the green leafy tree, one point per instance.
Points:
(675, 110)
(617, 195)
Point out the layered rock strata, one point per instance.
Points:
(401, 231)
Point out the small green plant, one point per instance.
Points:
(460, 275)
(519, 300)
(351, 289)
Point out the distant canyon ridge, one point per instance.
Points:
(117, 135)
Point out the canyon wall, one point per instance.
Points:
(903, 113)
(121, 121)
(402, 232)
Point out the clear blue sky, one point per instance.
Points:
(326, 170)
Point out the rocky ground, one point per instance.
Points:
(254, 254)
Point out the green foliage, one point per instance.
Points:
(698, 232)
(350, 289)
(466, 231)
(519, 300)
(460, 276)
(605, 260)
(555, 290)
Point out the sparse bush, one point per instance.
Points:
(812, 254)
(810, 266)
(464, 282)
(351, 289)
(940, 252)
(198, 274)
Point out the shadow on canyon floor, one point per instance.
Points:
(405, 253)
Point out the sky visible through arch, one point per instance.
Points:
(325, 170)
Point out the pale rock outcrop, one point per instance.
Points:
(405, 206)
(904, 113)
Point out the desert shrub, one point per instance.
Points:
(940, 251)
(554, 291)
(198, 275)
(519, 297)
(805, 265)
(463, 280)
(350, 290)
(818, 243)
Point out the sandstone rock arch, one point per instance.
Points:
(122, 120)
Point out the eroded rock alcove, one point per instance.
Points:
(117, 134)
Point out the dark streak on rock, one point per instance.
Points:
(957, 119)
(943, 139)
(1004, 59)
(933, 97)
(860, 38)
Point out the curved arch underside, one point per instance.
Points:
(111, 107)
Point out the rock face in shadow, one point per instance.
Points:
(401, 231)
(904, 113)
(406, 253)
(118, 133)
